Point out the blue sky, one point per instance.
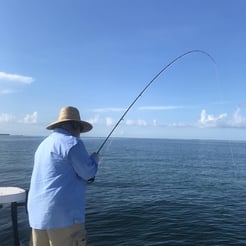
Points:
(97, 55)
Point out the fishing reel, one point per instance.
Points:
(91, 180)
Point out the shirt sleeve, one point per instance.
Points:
(84, 165)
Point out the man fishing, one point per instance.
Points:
(62, 166)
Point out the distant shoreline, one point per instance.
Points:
(4, 134)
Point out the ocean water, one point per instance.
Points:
(148, 191)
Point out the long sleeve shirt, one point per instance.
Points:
(58, 184)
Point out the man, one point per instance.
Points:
(62, 166)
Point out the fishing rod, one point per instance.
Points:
(147, 86)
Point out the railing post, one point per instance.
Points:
(14, 217)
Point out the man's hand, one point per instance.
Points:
(95, 156)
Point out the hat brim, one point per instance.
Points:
(84, 125)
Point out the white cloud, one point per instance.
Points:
(7, 91)
(154, 122)
(138, 122)
(181, 124)
(209, 120)
(141, 122)
(238, 120)
(168, 107)
(222, 120)
(11, 83)
(15, 78)
(94, 120)
(7, 117)
(31, 118)
(109, 121)
(130, 122)
(102, 110)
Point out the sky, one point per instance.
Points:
(98, 55)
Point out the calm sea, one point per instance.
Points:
(148, 191)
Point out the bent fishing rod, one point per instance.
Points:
(148, 85)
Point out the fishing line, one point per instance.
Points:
(148, 85)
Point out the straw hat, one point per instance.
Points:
(70, 114)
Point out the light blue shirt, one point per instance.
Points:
(56, 197)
